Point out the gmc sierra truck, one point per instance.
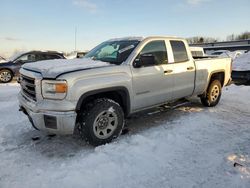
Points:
(94, 95)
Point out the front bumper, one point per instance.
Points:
(49, 121)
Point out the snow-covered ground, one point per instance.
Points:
(242, 63)
(188, 146)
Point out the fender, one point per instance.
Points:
(214, 72)
(123, 91)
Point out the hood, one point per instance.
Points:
(54, 68)
(4, 63)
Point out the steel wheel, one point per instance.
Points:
(215, 92)
(100, 121)
(105, 124)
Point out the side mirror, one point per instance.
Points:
(144, 61)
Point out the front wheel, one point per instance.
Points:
(213, 94)
(101, 121)
(5, 76)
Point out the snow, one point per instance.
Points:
(127, 38)
(52, 68)
(111, 109)
(2, 60)
(242, 63)
(185, 146)
(233, 55)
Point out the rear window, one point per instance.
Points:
(179, 51)
(197, 53)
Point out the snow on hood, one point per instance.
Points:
(53, 68)
(2, 61)
(242, 63)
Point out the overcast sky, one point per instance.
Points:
(50, 24)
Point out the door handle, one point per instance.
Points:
(190, 68)
(168, 71)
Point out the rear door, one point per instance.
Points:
(151, 84)
(183, 70)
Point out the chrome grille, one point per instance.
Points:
(28, 87)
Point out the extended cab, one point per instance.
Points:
(115, 79)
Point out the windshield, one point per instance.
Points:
(113, 51)
(15, 56)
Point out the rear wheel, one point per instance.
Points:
(5, 76)
(101, 121)
(213, 94)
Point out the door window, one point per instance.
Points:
(27, 58)
(52, 56)
(44, 56)
(158, 50)
(179, 51)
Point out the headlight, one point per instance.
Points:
(54, 89)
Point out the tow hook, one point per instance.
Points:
(22, 109)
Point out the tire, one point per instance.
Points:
(6, 76)
(101, 121)
(213, 94)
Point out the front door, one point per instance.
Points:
(152, 84)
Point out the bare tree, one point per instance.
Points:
(243, 36)
(200, 40)
(230, 37)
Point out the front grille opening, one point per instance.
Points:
(28, 87)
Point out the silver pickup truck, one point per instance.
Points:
(117, 78)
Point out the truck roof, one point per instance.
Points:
(127, 38)
(196, 48)
(142, 38)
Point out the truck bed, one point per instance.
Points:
(207, 65)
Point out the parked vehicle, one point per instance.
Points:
(114, 80)
(197, 52)
(81, 54)
(219, 52)
(74, 55)
(11, 67)
(241, 69)
(225, 53)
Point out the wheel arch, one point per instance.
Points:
(118, 94)
(217, 75)
(5, 68)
